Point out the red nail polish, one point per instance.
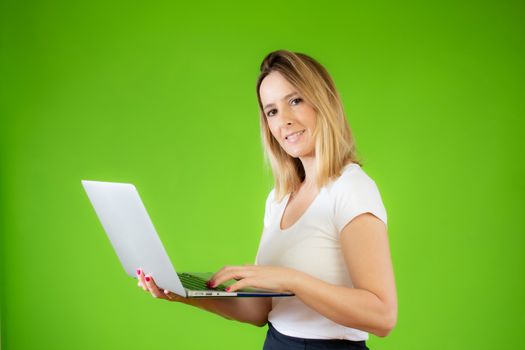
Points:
(228, 289)
(148, 279)
(138, 272)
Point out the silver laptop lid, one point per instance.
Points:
(131, 232)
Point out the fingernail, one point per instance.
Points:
(228, 289)
(147, 278)
(138, 272)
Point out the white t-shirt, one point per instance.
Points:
(312, 245)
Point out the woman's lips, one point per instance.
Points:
(295, 136)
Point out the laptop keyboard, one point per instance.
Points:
(193, 282)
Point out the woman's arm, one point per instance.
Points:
(371, 305)
(248, 310)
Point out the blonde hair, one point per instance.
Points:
(334, 143)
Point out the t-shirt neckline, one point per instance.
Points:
(300, 217)
(307, 209)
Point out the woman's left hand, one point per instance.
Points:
(277, 279)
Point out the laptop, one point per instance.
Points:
(137, 244)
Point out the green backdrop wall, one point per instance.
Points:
(162, 94)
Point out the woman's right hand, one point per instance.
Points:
(248, 310)
(148, 284)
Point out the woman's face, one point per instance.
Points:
(290, 118)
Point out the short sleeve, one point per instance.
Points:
(266, 220)
(355, 195)
(267, 208)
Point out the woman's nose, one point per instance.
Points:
(287, 119)
(286, 115)
(286, 123)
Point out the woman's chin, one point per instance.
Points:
(299, 154)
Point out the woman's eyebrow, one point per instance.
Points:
(284, 98)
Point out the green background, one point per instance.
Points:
(162, 95)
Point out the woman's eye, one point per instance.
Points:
(298, 99)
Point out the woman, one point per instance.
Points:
(325, 236)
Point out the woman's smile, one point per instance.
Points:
(293, 138)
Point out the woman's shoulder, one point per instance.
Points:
(271, 195)
(353, 184)
(352, 175)
(270, 198)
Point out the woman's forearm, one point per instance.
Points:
(350, 307)
(248, 310)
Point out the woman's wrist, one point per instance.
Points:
(294, 280)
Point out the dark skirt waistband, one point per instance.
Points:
(278, 341)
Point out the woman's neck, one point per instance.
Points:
(309, 172)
